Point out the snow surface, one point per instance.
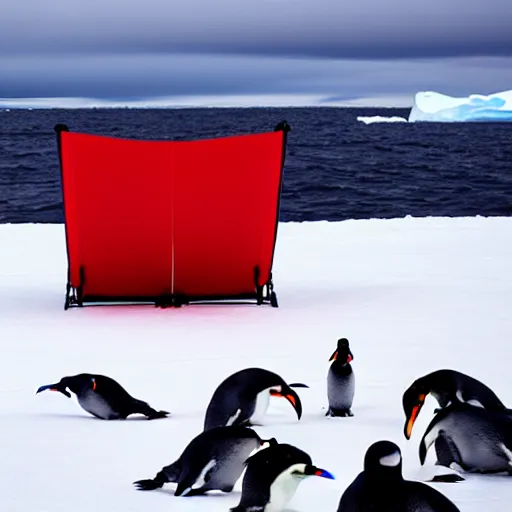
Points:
(436, 107)
(412, 295)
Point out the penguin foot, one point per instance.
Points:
(253, 508)
(447, 478)
(253, 424)
(147, 485)
(157, 415)
(345, 413)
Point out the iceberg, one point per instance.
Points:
(435, 107)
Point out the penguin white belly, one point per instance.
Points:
(96, 405)
(262, 403)
(282, 490)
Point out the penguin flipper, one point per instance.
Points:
(446, 451)
(192, 484)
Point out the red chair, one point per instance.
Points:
(171, 222)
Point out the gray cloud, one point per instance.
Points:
(361, 29)
(143, 76)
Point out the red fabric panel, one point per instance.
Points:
(226, 192)
(118, 208)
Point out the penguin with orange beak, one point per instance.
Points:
(103, 397)
(244, 397)
(341, 381)
(447, 387)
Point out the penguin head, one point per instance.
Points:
(76, 384)
(342, 352)
(412, 401)
(285, 459)
(268, 443)
(383, 460)
(307, 470)
(285, 391)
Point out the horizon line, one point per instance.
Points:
(218, 101)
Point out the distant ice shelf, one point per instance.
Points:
(381, 119)
(436, 107)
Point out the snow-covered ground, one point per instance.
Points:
(411, 295)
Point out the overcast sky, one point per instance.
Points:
(328, 50)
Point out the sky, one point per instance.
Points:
(375, 52)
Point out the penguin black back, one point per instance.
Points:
(103, 397)
(237, 398)
(446, 386)
(381, 486)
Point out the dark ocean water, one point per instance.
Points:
(336, 167)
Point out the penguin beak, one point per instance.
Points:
(350, 357)
(314, 471)
(412, 418)
(292, 397)
(54, 387)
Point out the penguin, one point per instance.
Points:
(340, 381)
(213, 460)
(447, 387)
(473, 438)
(272, 477)
(243, 398)
(381, 486)
(103, 397)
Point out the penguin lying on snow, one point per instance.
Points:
(272, 477)
(475, 439)
(103, 397)
(340, 381)
(381, 486)
(446, 386)
(213, 460)
(243, 398)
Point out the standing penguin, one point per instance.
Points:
(381, 486)
(447, 387)
(475, 439)
(243, 398)
(272, 477)
(340, 381)
(213, 460)
(103, 397)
